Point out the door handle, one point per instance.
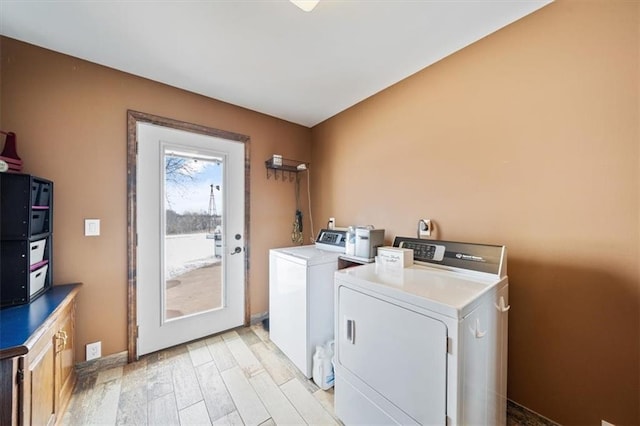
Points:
(236, 250)
(351, 331)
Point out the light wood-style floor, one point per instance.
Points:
(239, 377)
(235, 378)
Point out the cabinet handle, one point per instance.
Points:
(61, 340)
(351, 331)
(58, 342)
(479, 334)
(501, 306)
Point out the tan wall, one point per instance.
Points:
(70, 120)
(528, 138)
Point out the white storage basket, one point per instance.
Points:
(37, 251)
(37, 280)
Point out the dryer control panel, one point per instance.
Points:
(474, 257)
(424, 251)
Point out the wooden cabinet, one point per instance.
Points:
(39, 387)
(9, 390)
(64, 365)
(43, 374)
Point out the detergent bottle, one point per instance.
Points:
(322, 367)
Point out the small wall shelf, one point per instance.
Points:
(289, 169)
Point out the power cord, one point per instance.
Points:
(312, 238)
(296, 235)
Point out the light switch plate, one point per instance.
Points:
(91, 227)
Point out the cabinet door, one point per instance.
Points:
(65, 374)
(41, 387)
(9, 410)
(399, 353)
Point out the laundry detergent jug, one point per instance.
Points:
(322, 366)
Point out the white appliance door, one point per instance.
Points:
(399, 353)
(288, 316)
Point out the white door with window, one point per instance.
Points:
(190, 225)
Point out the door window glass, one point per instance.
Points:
(193, 243)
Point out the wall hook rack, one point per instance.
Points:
(288, 170)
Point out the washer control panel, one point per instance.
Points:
(331, 239)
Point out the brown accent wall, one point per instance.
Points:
(528, 138)
(70, 118)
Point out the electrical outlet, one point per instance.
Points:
(606, 423)
(94, 350)
(425, 227)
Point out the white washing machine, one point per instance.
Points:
(301, 296)
(426, 344)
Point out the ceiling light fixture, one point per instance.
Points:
(306, 5)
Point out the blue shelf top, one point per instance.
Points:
(18, 323)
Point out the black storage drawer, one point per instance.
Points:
(26, 208)
(44, 194)
(39, 222)
(35, 189)
(19, 194)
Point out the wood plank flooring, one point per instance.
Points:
(236, 378)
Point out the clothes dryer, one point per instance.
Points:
(426, 344)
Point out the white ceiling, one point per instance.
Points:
(267, 56)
